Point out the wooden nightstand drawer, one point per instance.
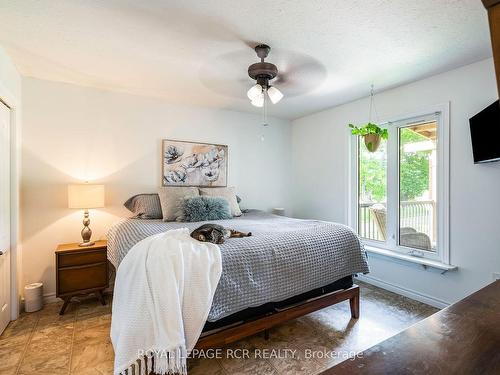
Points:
(77, 259)
(81, 270)
(82, 278)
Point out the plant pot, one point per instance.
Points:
(372, 141)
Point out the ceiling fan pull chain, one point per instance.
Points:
(265, 107)
(264, 117)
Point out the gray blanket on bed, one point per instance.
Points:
(283, 258)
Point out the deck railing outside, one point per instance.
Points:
(420, 215)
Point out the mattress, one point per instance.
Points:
(283, 258)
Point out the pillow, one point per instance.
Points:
(171, 198)
(204, 209)
(226, 192)
(144, 206)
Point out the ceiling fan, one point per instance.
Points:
(298, 74)
(263, 72)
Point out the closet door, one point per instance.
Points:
(4, 216)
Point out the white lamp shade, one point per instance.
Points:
(259, 101)
(85, 196)
(274, 94)
(254, 92)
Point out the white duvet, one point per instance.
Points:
(163, 293)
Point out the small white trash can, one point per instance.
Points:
(33, 297)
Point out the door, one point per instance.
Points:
(4, 216)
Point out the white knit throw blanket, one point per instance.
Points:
(163, 293)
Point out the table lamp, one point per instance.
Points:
(85, 196)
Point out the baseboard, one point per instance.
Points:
(424, 298)
(47, 298)
(50, 298)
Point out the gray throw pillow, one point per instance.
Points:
(204, 209)
(144, 206)
(171, 199)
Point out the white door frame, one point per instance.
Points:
(15, 162)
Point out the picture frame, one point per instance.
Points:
(198, 164)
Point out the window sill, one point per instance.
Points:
(425, 263)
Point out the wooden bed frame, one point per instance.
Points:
(223, 336)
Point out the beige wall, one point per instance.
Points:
(73, 134)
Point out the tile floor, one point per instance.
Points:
(78, 342)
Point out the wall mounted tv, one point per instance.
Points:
(484, 129)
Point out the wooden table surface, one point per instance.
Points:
(464, 338)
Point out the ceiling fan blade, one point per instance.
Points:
(227, 75)
(300, 78)
(251, 43)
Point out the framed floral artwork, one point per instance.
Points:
(194, 164)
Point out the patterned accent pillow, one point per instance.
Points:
(144, 206)
(171, 199)
(204, 209)
(226, 192)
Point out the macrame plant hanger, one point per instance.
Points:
(373, 108)
(372, 141)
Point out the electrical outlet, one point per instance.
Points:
(496, 276)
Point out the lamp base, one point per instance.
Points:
(83, 244)
(86, 231)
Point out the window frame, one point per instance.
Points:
(442, 253)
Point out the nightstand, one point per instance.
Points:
(81, 270)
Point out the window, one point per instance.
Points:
(401, 198)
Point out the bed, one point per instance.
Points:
(285, 264)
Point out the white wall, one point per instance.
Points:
(73, 134)
(321, 168)
(10, 93)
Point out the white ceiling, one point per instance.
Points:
(196, 52)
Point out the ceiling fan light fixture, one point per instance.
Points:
(274, 94)
(258, 101)
(263, 72)
(254, 92)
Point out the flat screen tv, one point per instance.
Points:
(484, 129)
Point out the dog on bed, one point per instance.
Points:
(216, 234)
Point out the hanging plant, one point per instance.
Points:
(371, 133)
